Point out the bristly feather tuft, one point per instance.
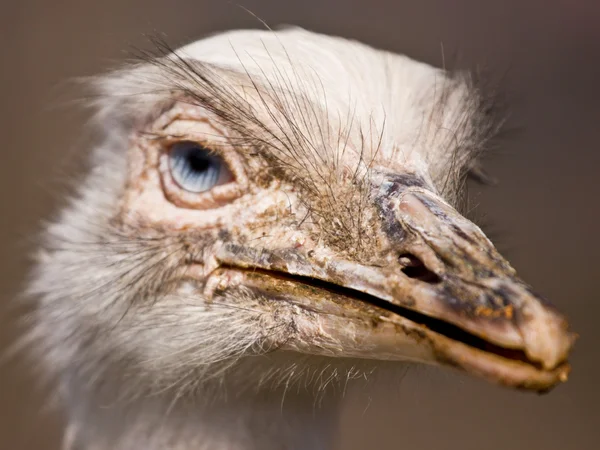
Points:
(298, 105)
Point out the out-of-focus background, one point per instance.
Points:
(547, 52)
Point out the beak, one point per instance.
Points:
(444, 297)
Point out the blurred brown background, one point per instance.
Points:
(546, 206)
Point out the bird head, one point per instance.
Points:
(263, 193)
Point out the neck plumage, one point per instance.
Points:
(271, 419)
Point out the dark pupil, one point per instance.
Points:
(198, 161)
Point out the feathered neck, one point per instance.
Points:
(271, 419)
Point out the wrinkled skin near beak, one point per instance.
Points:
(451, 299)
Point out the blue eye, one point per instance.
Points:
(196, 169)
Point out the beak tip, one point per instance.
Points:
(563, 376)
(546, 333)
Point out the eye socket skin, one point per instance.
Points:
(193, 159)
(195, 168)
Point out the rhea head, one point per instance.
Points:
(265, 205)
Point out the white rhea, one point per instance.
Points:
(269, 215)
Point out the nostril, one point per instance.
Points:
(413, 267)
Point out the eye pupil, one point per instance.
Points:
(195, 168)
(198, 162)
